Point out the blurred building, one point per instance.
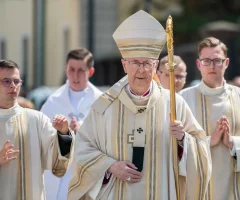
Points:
(37, 35)
(16, 35)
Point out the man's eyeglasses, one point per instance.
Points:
(218, 62)
(136, 64)
(7, 82)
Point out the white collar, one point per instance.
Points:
(10, 111)
(213, 91)
(135, 96)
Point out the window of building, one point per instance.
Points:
(3, 48)
(25, 59)
(66, 49)
(66, 42)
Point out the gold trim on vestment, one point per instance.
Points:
(203, 117)
(198, 182)
(160, 140)
(108, 96)
(135, 48)
(115, 142)
(20, 130)
(234, 102)
(75, 183)
(152, 167)
(22, 143)
(133, 42)
(125, 115)
(139, 54)
(27, 160)
(148, 158)
(153, 130)
(233, 116)
(119, 189)
(199, 111)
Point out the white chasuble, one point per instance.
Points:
(33, 135)
(209, 105)
(112, 129)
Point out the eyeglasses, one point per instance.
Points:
(146, 64)
(7, 82)
(178, 77)
(218, 62)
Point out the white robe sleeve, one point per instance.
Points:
(51, 155)
(194, 137)
(93, 193)
(48, 109)
(236, 152)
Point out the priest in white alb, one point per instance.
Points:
(216, 106)
(123, 150)
(73, 100)
(29, 142)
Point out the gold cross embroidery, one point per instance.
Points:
(141, 110)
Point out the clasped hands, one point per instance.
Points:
(74, 124)
(221, 132)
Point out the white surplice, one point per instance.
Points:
(60, 102)
(114, 125)
(32, 133)
(209, 105)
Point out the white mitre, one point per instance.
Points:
(140, 36)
